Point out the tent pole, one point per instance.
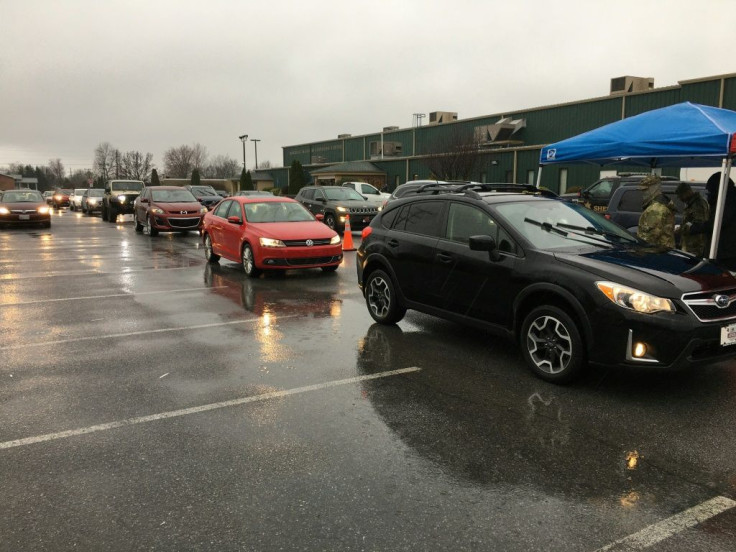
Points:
(718, 215)
(539, 176)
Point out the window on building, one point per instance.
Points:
(509, 177)
(530, 177)
(484, 177)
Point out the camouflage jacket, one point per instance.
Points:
(657, 223)
(696, 210)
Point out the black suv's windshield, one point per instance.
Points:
(555, 224)
(203, 190)
(342, 194)
(172, 196)
(131, 186)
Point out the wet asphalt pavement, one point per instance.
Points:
(151, 402)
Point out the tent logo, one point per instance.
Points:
(551, 153)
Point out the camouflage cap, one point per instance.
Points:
(682, 189)
(649, 180)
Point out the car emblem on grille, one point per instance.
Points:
(722, 301)
(309, 243)
(182, 212)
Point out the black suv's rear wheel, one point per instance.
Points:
(381, 299)
(551, 344)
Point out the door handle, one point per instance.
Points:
(444, 258)
(393, 243)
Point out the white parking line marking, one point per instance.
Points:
(671, 526)
(198, 409)
(46, 301)
(143, 332)
(61, 274)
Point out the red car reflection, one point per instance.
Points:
(269, 233)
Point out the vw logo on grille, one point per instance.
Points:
(721, 301)
(309, 243)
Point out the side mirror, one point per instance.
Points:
(143, 200)
(485, 243)
(320, 217)
(321, 199)
(234, 220)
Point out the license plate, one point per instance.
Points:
(24, 217)
(728, 335)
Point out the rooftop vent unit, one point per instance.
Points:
(441, 117)
(390, 128)
(624, 85)
(341, 136)
(500, 131)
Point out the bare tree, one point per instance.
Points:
(221, 166)
(56, 168)
(81, 178)
(264, 165)
(454, 155)
(104, 164)
(136, 165)
(181, 161)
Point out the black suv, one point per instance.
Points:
(119, 197)
(335, 203)
(625, 206)
(570, 286)
(598, 195)
(206, 195)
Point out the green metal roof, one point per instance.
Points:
(361, 167)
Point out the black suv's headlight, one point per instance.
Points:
(634, 299)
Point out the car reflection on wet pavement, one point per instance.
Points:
(151, 401)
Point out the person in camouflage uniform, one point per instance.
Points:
(696, 210)
(657, 221)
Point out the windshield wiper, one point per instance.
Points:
(597, 231)
(547, 227)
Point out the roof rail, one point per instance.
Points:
(434, 188)
(505, 187)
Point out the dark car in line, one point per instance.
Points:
(206, 195)
(167, 209)
(597, 196)
(24, 207)
(336, 204)
(571, 287)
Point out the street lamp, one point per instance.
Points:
(256, 140)
(244, 139)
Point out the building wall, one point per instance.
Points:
(6, 182)
(520, 158)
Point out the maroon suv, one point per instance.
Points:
(167, 209)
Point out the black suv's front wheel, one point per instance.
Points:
(381, 299)
(551, 344)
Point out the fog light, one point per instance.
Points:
(640, 350)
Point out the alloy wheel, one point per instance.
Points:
(549, 344)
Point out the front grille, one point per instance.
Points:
(312, 261)
(23, 211)
(303, 243)
(363, 210)
(190, 222)
(704, 307)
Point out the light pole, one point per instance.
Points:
(244, 139)
(256, 140)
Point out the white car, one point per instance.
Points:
(75, 199)
(368, 191)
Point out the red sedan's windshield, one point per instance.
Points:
(276, 211)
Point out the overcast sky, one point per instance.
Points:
(150, 75)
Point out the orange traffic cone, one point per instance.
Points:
(347, 239)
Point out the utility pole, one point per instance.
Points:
(244, 139)
(256, 140)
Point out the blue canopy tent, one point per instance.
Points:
(681, 135)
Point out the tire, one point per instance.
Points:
(138, 225)
(330, 220)
(551, 345)
(47, 224)
(103, 212)
(208, 254)
(249, 262)
(381, 298)
(150, 230)
(112, 215)
(329, 268)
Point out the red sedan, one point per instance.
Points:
(269, 233)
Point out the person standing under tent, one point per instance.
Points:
(696, 211)
(657, 221)
(726, 254)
